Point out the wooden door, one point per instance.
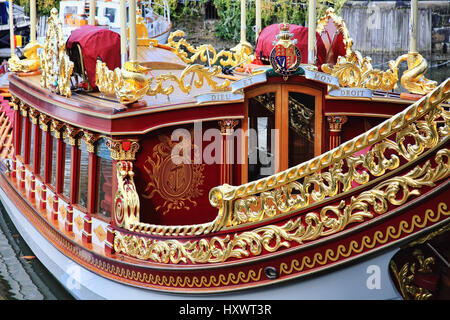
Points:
(283, 123)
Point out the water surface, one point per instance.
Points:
(22, 275)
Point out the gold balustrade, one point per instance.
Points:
(324, 176)
(336, 170)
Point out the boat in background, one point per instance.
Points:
(289, 171)
(155, 16)
(21, 23)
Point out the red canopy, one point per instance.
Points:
(96, 42)
(265, 43)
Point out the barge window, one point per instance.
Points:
(67, 168)
(31, 143)
(84, 174)
(53, 161)
(301, 127)
(23, 129)
(261, 137)
(41, 167)
(104, 178)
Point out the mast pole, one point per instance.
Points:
(312, 32)
(123, 31)
(11, 27)
(258, 18)
(92, 12)
(413, 27)
(132, 24)
(32, 20)
(243, 21)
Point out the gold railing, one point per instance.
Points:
(334, 172)
(426, 126)
(282, 193)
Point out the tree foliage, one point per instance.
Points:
(43, 7)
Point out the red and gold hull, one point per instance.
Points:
(293, 224)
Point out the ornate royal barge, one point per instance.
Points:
(293, 171)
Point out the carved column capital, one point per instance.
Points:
(227, 126)
(24, 108)
(58, 128)
(336, 122)
(34, 115)
(123, 150)
(73, 133)
(90, 139)
(45, 121)
(14, 102)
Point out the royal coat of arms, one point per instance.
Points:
(285, 57)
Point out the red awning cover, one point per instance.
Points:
(268, 35)
(96, 42)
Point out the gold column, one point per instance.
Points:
(11, 27)
(413, 27)
(312, 32)
(92, 12)
(123, 31)
(132, 26)
(32, 20)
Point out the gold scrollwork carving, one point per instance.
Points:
(126, 199)
(73, 133)
(130, 84)
(34, 115)
(240, 54)
(58, 127)
(56, 65)
(330, 220)
(405, 276)
(380, 237)
(14, 102)
(354, 71)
